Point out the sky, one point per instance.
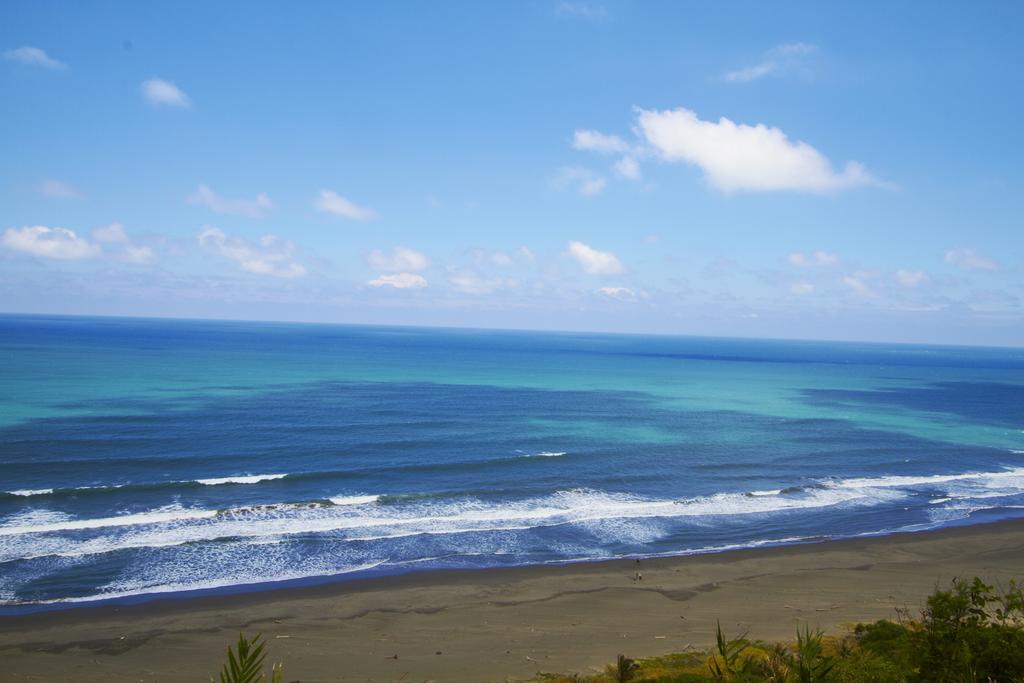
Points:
(847, 170)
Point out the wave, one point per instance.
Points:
(252, 579)
(357, 520)
(245, 479)
(903, 481)
(365, 518)
(354, 500)
(142, 518)
(146, 486)
(29, 492)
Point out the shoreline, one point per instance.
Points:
(15, 611)
(490, 624)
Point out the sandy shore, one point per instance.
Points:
(510, 623)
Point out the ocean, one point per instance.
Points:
(143, 457)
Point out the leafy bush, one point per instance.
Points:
(970, 633)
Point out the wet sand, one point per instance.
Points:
(500, 624)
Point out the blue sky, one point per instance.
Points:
(838, 171)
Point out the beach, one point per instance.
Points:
(499, 624)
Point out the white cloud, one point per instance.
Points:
(110, 233)
(593, 261)
(594, 141)
(56, 243)
(911, 278)
(801, 288)
(526, 253)
(133, 254)
(780, 60)
(582, 10)
(858, 282)
(55, 188)
(818, 258)
(400, 258)
(164, 93)
(33, 56)
(969, 259)
(736, 157)
(627, 167)
(621, 293)
(824, 258)
(795, 49)
(339, 206)
(752, 73)
(583, 180)
(400, 281)
(253, 208)
(501, 258)
(592, 186)
(470, 283)
(271, 256)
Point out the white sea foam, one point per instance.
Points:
(362, 518)
(129, 589)
(354, 500)
(30, 492)
(545, 454)
(1010, 476)
(159, 516)
(245, 479)
(366, 522)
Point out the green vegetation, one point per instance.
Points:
(247, 666)
(969, 633)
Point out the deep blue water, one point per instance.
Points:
(145, 456)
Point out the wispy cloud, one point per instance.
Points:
(596, 141)
(740, 157)
(593, 261)
(969, 259)
(620, 293)
(59, 190)
(332, 203)
(911, 278)
(272, 255)
(399, 281)
(780, 60)
(110, 233)
(469, 282)
(859, 282)
(628, 167)
(583, 180)
(55, 243)
(400, 259)
(161, 93)
(817, 258)
(137, 254)
(33, 56)
(582, 10)
(253, 208)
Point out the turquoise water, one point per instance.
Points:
(144, 456)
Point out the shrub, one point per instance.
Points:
(247, 666)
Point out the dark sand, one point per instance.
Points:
(510, 623)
